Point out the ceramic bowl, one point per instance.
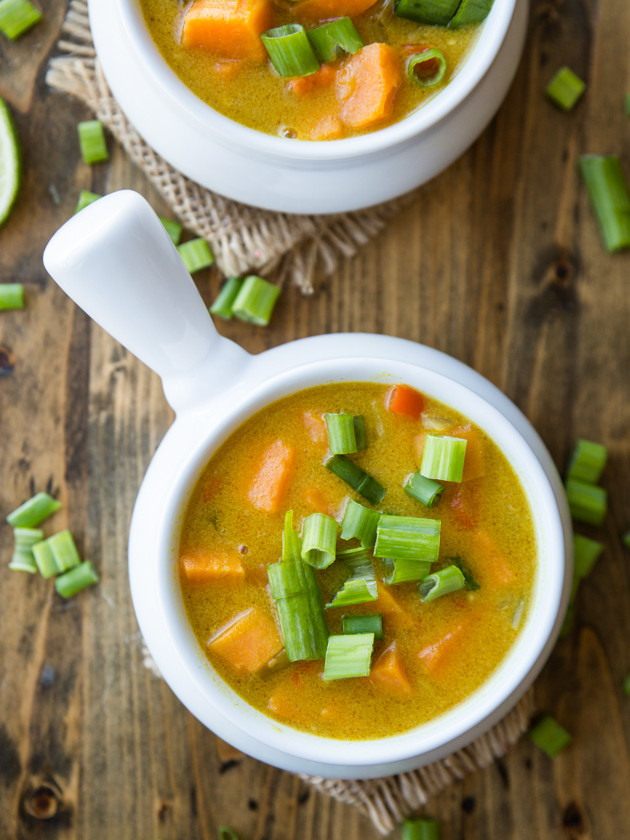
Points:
(117, 250)
(300, 176)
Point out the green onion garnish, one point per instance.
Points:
(291, 540)
(405, 570)
(64, 550)
(587, 461)
(342, 433)
(319, 538)
(408, 538)
(78, 578)
(441, 583)
(420, 829)
(426, 11)
(587, 502)
(626, 685)
(443, 457)
(23, 561)
(565, 88)
(625, 539)
(45, 559)
(427, 68)
(471, 11)
(11, 296)
(17, 17)
(92, 141)
(27, 537)
(336, 38)
(550, 736)
(608, 190)
(423, 489)
(358, 479)
(360, 587)
(255, 301)
(173, 228)
(290, 50)
(223, 305)
(586, 553)
(34, 511)
(359, 523)
(195, 254)
(226, 833)
(348, 656)
(471, 583)
(626, 104)
(86, 197)
(353, 624)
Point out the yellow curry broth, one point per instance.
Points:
(253, 94)
(220, 516)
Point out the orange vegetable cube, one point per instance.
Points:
(474, 463)
(271, 481)
(315, 426)
(367, 83)
(322, 9)
(388, 671)
(248, 642)
(208, 566)
(406, 401)
(387, 604)
(229, 28)
(303, 86)
(437, 655)
(494, 567)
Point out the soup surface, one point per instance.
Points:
(433, 654)
(328, 104)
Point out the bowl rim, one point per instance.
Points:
(227, 131)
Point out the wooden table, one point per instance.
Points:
(498, 263)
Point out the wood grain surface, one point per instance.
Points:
(498, 262)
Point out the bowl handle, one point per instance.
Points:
(117, 262)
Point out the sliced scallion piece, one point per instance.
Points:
(11, 296)
(626, 105)
(587, 461)
(625, 539)
(195, 254)
(85, 198)
(255, 301)
(587, 502)
(471, 583)
(348, 656)
(290, 50)
(608, 191)
(291, 540)
(447, 580)
(173, 228)
(550, 736)
(342, 439)
(360, 432)
(27, 537)
(408, 538)
(360, 587)
(427, 11)
(565, 88)
(405, 570)
(17, 17)
(359, 523)
(420, 829)
(76, 579)
(224, 303)
(358, 479)
(471, 11)
(319, 538)
(353, 624)
(335, 38)
(585, 553)
(23, 561)
(64, 550)
(443, 457)
(423, 489)
(45, 559)
(92, 141)
(626, 685)
(226, 833)
(33, 511)
(427, 68)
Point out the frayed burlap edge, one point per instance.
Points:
(389, 800)
(242, 238)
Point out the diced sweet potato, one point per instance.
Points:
(388, 671)
(406, 401)
(315, 426)
(322, 9)
(248, 642)
(494, 567)
(328, 128)
(271, 481)
(306, 86)
(229, 28)
(437, 655)
(366, 87)
(211, 566)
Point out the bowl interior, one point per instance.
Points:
(514, 670)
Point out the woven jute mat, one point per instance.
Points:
(295, 248)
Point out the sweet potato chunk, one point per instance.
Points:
(321, 9)
(230, 28)
(248, 642)
(210, 566)
(272, 477)
(367, 84)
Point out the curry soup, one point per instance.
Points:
(349, 94)
(434, 653)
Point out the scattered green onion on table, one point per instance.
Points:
(223, 305)
(195, 254)
(11, 296)
(610, 197)
(92, 141)
(549, 736)
(565, 88)
(17, 17)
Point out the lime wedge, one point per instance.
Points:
(9, 162)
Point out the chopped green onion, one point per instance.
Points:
(336, 38)
(23, 561)
(627, 104)
(585, 553)
(359, 523)
(86, 197)
(353, 624)
(406, 569)
(360, 587)
(625, 539)
(626, 685)
(423, 489)
(17, 17)
(77, 579)
(408, 538)
(173, 228)
(11, 296)
(358, 479)
(255, 301)
(427, 68)
(587, 502)
(441, 583)
(195, 254)
(319, 538)
(291, 540)
(565, 88)
(290, 50)
(342, 439)
(443, 457)
(420, 829)
(223, 305)
(550, 736)
(92, 141)
(471, 583)
(45, 559)
(426, 11)
(587, 461)
(471, 11)
(64, 550)
(360, 432)
(348, 656)
(608, 191)
(226, 833)
(27, 537)
(34, 511)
